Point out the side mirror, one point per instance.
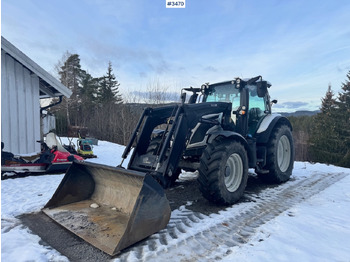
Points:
(261, 87)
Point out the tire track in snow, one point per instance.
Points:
(192, 235)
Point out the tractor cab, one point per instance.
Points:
(249, 98)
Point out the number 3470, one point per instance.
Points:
(175, 4)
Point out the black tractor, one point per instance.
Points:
(223, 130)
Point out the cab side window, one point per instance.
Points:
(257, 109)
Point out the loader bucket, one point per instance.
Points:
(131, 205)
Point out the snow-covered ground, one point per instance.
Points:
(317, 229)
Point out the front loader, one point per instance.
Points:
(223, 130)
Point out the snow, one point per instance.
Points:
(317, 229)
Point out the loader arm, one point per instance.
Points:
(182, 119)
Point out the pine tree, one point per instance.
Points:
(70, 72)
(328, 102)
(88, 88)
(343, 123)
(95, 103)
(88, 92)
(323, 138)
(109, 88)
(70, 76)
(330, 137)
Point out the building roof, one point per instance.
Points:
(49, 86)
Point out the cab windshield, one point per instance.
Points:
(224, 93)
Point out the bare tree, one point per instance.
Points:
(157, 92)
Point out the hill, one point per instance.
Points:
(300, 113)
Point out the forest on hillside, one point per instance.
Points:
(325, 137)
(98, 109)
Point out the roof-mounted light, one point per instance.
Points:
(238, 82)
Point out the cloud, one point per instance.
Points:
(210, 68)
(343, 67)
(296, 47)
(142, 74)
(142, 61)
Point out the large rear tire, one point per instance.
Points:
(223, 171)
(280, 156)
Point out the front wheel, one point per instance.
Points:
(223, 171)
(280, 156)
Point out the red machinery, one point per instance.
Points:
(53, 158)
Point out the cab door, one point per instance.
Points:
(258, 109)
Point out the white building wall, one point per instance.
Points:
(48, 123)
(20, 107)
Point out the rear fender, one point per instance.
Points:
(267, 126)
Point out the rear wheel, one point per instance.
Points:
(223, 171)
(280, 156)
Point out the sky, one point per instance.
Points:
(299, 46)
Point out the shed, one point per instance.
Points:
(23, 84)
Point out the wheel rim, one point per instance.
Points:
(233, 172)
(283, 153)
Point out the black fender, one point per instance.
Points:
(226, 134)
(268, 124)
(249, 145)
